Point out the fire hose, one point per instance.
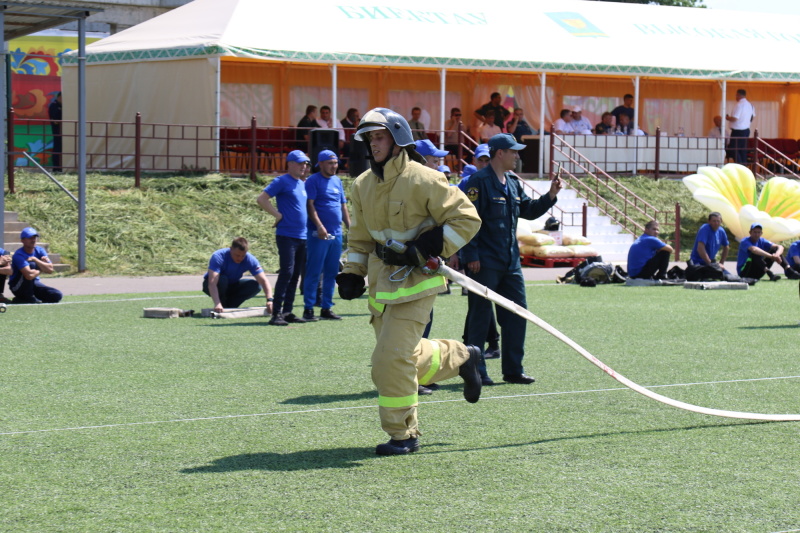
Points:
(435, 266)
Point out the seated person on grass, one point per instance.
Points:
(711, 239)
(757, 255)
(5, 271)
(793, 260)
(27, 263)
(224, 283)
(648, 257)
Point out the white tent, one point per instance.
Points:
(172, 68)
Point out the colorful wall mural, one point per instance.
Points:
(35, 82)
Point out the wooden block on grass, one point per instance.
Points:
(242, 312)
(162, 312)
(716, 285)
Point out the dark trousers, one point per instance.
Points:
(2, 284)
(492, 336)
(738, 145)
(511, 285)
(232, 295)
(656, 267)
(57, 147)
(292, 255)
(755, 266)
(30, 290)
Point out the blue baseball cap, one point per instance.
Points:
(482, 150)
(505, 141)
(28, 233)
(754, 225)
(298, 157)
(326, 155)
(426, 147)
(468, 171)
(444, 168)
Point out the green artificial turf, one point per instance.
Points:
(113, 422)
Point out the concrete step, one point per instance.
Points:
(14, 226)
(12, 246)
(10, 216)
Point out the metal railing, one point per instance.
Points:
(767, 155)
(599, 188)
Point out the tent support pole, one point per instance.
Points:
(217, 96)
(443, 91)
(542, 104)
(724, 107)
(334, 93)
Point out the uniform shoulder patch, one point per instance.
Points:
(472, 193)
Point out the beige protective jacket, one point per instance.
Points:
(410, 200)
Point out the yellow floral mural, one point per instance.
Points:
(731, 190)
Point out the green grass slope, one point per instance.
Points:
(171, 225)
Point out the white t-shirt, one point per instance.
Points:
(561, 125)
(582, 126)
(490, 130)
(743, 113)
(714, 132)
(333, 125)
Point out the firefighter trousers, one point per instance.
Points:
(402, 360)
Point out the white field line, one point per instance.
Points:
(116, 301)
(371, 406)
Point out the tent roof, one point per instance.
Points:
(570, 36)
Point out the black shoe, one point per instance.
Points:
(398, 447)
(464, 292)
(772, 277)
(472, 378)
(487, 381)
(791, 273)
(492, 353)
(308, 315)
(294, 319)
(327, 314)
(425, 391)
(277, 320)
(34, 300)
(520, 379)
(432, 386)
(750, 281)
(4, 300)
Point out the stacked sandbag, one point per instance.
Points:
(579, 245)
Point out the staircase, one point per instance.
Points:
(13, 227)
(606, 237)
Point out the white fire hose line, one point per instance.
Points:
(477, 288)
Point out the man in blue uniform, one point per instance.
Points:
(326, 210)
(793, 260)
(224, 283)
(492, 257)
(757, 254)
(291, 217)
(27, 263)
(648, 256)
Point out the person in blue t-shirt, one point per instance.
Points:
(757, 255)
(711, 239)
(648, 256)
(792, 267)
(27, 263)
(291, 216)
(5, 271)
(327, 208)
(224, 283)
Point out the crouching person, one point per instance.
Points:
(27, 263)
(224, 283)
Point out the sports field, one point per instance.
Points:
(113, 422)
